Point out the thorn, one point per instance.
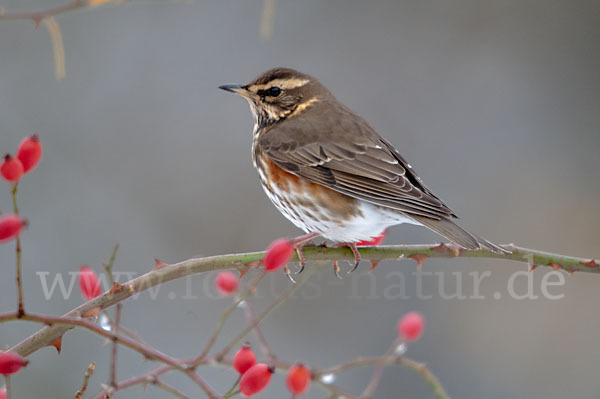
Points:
(57, 343)
(532, 267)
(37, 21)
(93, 313)
(243, 271)
(589, 263)
(117, 287)
(555, 266)
(440, 247)
(158, 264)
(288, 273)
(336, 269)
(374, 264)
(420, 259)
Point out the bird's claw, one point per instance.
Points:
(289, 274)
(301, 259)
(356, 256)
(336, 269)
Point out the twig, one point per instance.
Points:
(264, 346)
(38, 16)
(224, 317)
(378, 373)
(286, 294)
(58, 47)
(7, 384)
(21, 304)
(109, 266)
(267, 19)
(115, 346)
(421, 368)
(193, 266)
(168, 388)
(202, 384)
(147, 351)
(139, 380)
(86, 377)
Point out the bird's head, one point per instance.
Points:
(279, 93)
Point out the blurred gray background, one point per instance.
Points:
(495, 103)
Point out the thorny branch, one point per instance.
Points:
(374, 254)
(57, 326)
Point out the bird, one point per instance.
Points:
(333, 175)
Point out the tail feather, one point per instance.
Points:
(458, 235)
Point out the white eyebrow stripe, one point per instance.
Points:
(282, 84)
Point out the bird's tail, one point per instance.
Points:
(458, 235)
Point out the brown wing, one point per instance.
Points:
(341, 151)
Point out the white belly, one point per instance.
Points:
(371, 220)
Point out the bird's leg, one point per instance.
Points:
(298, 243)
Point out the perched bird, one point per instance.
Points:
(330, 173)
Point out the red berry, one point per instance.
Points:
(226, 283)
(374, 240)
(11, 362)
(11, 169)
(89, 284)
(3, 394)
(278, 254)
(30, 152)
(244, 359)
(410, 327)
(255, 379)
(10, 226)
(298, 379)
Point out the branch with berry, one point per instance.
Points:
(254, 371)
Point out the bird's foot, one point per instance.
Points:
(298, 243)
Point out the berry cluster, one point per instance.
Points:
(256, 376)
(28, 156)
(11, 170)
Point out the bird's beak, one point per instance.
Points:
(237, 89)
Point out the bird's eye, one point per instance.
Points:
(274, 91)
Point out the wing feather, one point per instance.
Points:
(362, 165)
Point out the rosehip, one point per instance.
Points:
(10, 226)
(255, 379)
(410, 327)
(30, 152)
(11, 362)
(226, 283)
(244, 359)
(278, 254)
(298, 379)
(373, 241)
(11, 169)
(89, 284)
